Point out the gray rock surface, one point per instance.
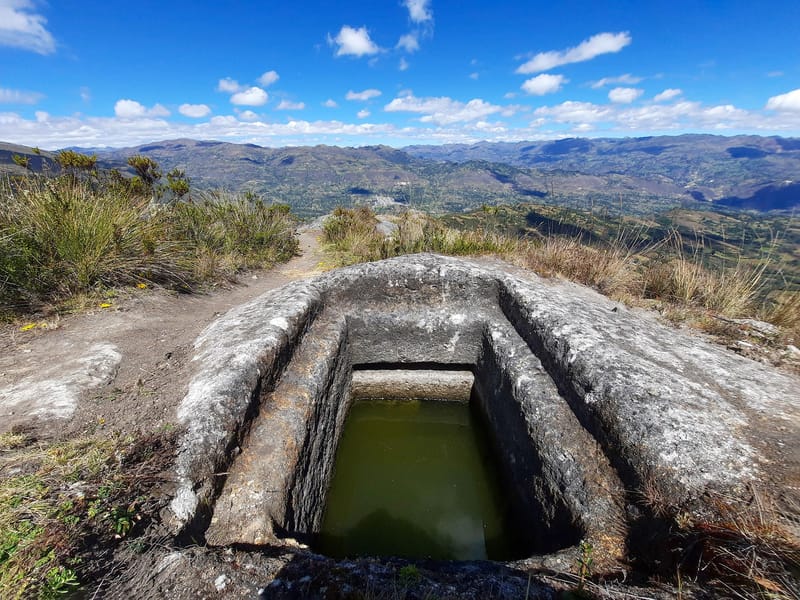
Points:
(52, 391)
(604, 395)
(399, 384)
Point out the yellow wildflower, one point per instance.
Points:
(141, 286)
(27, 327)
(105, 305)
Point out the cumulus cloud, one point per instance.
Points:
(626, 79)
(544, 84)
(653, 118)
(602, 43)
(363, 113)
(195, 111)
(667, 94)
(253, 96)
(268, 78)
(248, 115)
(443, 110)
(788, 102)
(20, 27)
(131, 109)
(229, 86)
(288, 105)
(419, 11)
(363, 96)
(354, 42)
(573, 111)
(403, 64)
(9, 96)
(437, 125)
(330, 103)
(624, 95)
(409, 42)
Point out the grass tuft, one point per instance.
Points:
(746, 551)
(64, 237)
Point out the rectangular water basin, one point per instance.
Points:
(415, 478)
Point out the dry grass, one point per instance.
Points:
(749, 551)
(612, 270)
(680, 277)
(785, 313)
(351, 236)
(66, 236)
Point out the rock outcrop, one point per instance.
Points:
(587, 402)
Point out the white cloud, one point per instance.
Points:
(443, 110)
(86, 94)
(8, 96)
(158, 111)
(408, 42)
(229, 86)
(288, 105)
(195, 111)
(354, 42)
(22, 28)
(436, 126)
(677, 117)
(474, 75)
(788, 102)
(253, 96)
(667, 94)
(626, 79)
(42, 116)
(419, 11)
(363, 113)
(403, 64)
(248, 115)
(330, 103)
(623, 95)
(131, 109)
(544, 84)
(268, 78)
(575, 112)
(363, 96)
(602, 43)
(775, 74)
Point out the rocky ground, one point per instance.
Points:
(126, 367)
(123, 367)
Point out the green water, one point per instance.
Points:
(414, 479)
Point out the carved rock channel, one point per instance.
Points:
(584, 401)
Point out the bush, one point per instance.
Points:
(64, 236)
(61, 237)
(352, 234)
(232, 233)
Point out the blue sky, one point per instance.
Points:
(397, 72)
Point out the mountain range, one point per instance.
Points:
(635, 175)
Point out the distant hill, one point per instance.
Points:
(38, 161)
(751, 172)
(636, 175)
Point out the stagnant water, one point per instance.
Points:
(415, 478)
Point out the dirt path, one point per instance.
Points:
(123, 368)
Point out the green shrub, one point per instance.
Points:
(64, 236)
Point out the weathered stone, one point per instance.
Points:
(585, 400)
(400, 384)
